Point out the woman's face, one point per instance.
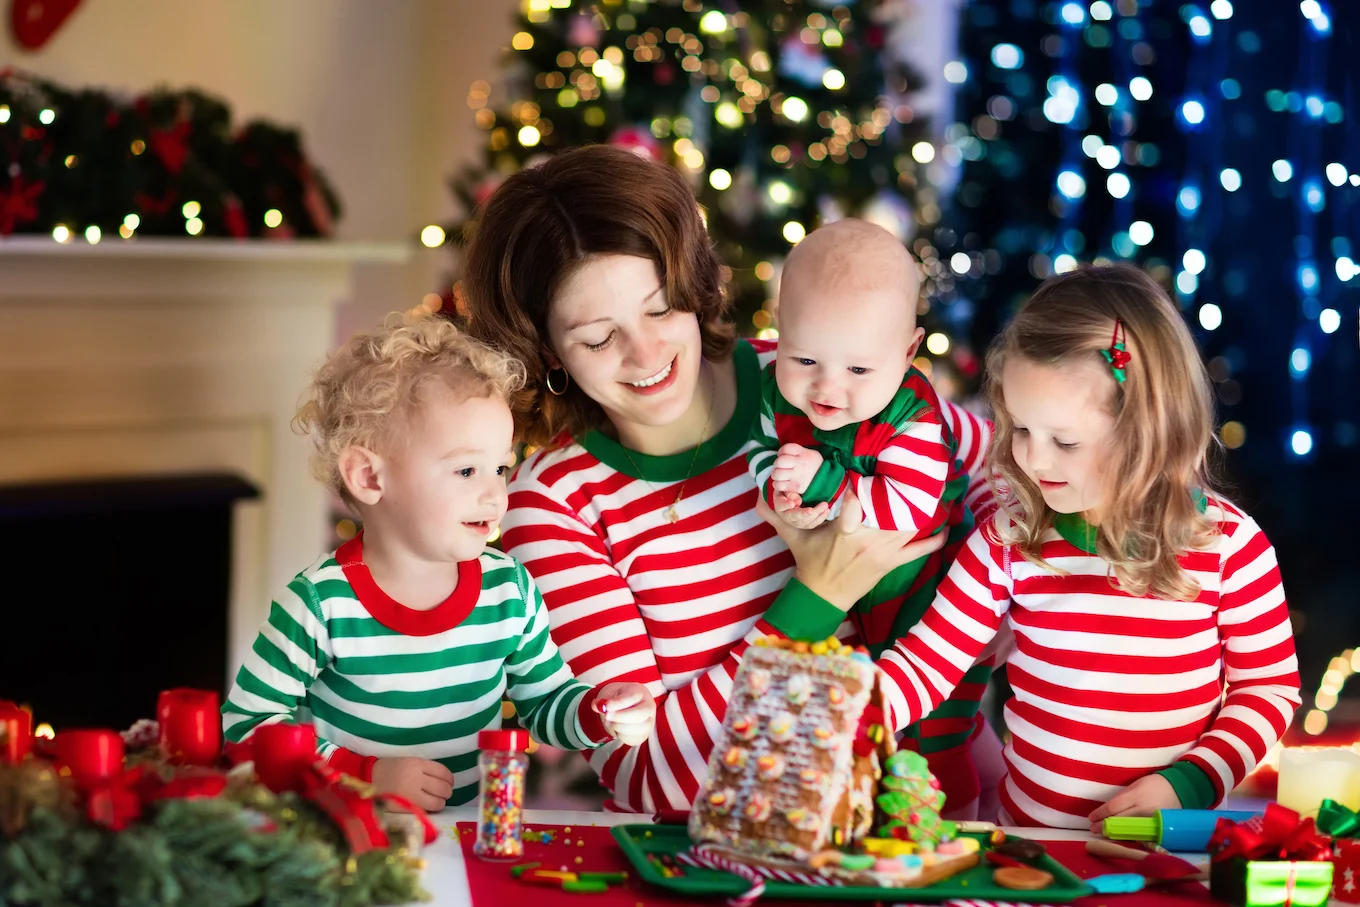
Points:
(623, 345)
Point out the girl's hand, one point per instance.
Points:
(842, 560)
(1141, 798)
(628, 710)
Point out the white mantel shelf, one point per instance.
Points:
(163, 267)
(168, 356)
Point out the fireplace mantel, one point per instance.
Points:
(155, 357)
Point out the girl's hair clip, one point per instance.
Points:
(1118, 355)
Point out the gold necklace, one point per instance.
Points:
(673, 515)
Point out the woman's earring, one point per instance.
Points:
(566, 381)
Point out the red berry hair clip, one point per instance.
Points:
(1118, 355)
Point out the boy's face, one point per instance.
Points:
(444, 478)
(843, 355)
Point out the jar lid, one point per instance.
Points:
(515, 740)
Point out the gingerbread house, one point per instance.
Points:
(796, 766)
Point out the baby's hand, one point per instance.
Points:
(628, 710)
(790, 509)
(794, 468)
(426, 784)
(1141, 798)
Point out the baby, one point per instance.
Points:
(842, 409)
(400, 645)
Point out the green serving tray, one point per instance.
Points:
(638, 841)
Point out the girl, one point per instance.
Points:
(1137, 594)
(637, 518)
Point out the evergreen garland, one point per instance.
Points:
(89, 165)
(245, 847)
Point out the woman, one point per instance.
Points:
(637, 517)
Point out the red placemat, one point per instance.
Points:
(491, 884)
(1073, 855)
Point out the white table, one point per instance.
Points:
(446, 875)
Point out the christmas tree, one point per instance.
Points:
(784, 114)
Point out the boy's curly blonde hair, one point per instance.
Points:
(366, 391)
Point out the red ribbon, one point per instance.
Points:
(19, 204)
(286, 760)
(1277, 834)
(171, 146)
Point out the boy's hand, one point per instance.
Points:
(789, 508)
(426, 784)
(628, 710)
(1141, 798)
(794, 468)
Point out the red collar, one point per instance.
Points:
(391, 613)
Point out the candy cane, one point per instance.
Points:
(703, 855)
(707, 858)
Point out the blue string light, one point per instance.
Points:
(1197, 212)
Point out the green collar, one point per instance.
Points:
(1082, 535)
(688, 463)
(1078, 533)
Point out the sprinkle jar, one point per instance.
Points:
(503, 764)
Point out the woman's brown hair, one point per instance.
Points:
(544, 223)
(1163, 427)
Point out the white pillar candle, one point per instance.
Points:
(1309, 775)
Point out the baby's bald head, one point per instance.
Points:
(847, 323)
(850, 259)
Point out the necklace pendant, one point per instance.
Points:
(672, 516)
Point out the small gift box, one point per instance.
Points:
(1346, 871)
(1342, 823)
(1273, 860)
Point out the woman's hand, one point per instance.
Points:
(843, 559)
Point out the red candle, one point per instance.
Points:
(282, 752)
(92, 755)
(190, 726)
(16, 733)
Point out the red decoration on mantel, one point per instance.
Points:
(35, 21)
(19, 203)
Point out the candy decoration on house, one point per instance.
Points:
(795, 771)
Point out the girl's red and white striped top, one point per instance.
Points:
(632, 596)
(1108, 687)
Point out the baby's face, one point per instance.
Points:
(843, 355)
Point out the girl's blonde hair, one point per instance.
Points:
(366, 391)
(1163, 426)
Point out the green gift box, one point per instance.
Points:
(1271, 883)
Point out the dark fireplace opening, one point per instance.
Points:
(117, 589)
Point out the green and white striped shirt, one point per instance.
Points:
(377, 679)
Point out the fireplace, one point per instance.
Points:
(176, 366)
(118, 589)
